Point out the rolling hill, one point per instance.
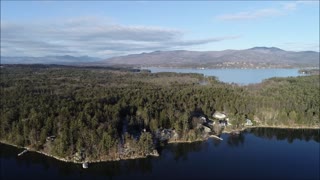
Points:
(253, 57)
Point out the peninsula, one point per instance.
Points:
(93, 114)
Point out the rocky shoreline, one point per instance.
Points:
(155, 153)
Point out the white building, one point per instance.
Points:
(219, 115)
(248, 122)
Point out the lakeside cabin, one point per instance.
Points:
(248, 122)
(50, 138)
(219, 115)
(211, 123)
(203, 119)
(222, 118)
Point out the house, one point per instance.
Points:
(219, 115)
(248, 122)
(206, 129)
(50, 138)
(198, 121)
(204, 119)
(228, 123)
(164, 134)
(211, 123)
(223, 122)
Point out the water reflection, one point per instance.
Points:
(125, 167)
(180, 151)
(186, 157)
(42, 163)
(216, 142)
(235, 140)
(287, 134)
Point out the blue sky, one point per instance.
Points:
(109, 28)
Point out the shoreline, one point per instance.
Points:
(169, 142)
(77, 162)
(222, 67)
(269, 126)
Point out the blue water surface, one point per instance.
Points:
(239, 76)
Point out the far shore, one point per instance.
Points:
(169, 142)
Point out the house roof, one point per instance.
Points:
(219, 115)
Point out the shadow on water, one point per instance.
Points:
(286, 134)
(236, 140)
(216, 142)
(185, 157)
(124, 167)
(180, 151)
(46, 165)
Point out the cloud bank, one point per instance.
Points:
(90, 36)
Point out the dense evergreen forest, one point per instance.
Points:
(100, 113)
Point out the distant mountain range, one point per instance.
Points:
(253, 57)
(65, 60)
(256, 57)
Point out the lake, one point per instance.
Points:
(260, 153)
(239, 76)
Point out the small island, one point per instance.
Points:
(94, 114)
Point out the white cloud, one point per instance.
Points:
(266, 12)
(90, 36)
(250, 14)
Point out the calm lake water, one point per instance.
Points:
(261, 153)
(239, 76)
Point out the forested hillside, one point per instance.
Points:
(291, 101)
(97, 113)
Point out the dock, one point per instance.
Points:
(22, 152)
(217, 137)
